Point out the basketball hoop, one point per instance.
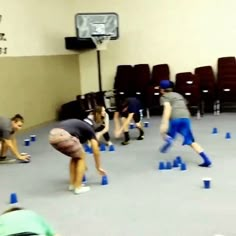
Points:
(101, 41)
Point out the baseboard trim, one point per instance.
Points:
(40, 125)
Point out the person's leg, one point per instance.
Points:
(72, 173)
(186, 131)
(137, 120)
(106, 136)
(126, 132)
(3, 152)
(80, 168)
(198, 149)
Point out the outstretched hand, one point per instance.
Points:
(101, 171)
(24, 157)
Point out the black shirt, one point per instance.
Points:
(79, 129)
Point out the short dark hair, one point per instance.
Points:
(17, 117)
(12, 209)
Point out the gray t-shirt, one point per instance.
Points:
(178, 104)
(5, 128)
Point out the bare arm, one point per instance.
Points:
(165, 118)
(11, 143)
(96, 154)
(166, 113)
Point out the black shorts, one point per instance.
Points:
(136, 116)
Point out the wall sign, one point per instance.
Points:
(3, 49)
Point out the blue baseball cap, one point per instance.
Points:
(165, 84)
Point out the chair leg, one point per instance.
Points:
(148, 113)
(217, 107)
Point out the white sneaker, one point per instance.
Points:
(81, 190)
(71, 187)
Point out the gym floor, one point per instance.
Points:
(140, 200)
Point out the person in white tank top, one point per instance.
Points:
(99, 119)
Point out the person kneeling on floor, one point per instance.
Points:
(8, 129)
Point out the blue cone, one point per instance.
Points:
(175, 164)
(84, 180)
(102, 147)
(161, 165)
(168, 165)
(183, 167)
(111, 148)
(13, 198)
(104, 180)
(178, 160)
(228, 135)
(88, 149)
(214, 131)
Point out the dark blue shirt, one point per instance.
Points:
(133, 105)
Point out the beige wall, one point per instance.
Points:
(37, 75)
(35, 27)
(37, 86)
(183, 33)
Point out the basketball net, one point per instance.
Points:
(101, 41)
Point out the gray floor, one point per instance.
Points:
(140, 200)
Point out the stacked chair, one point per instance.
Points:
(207, 88)
(203, 91)
(141, 80)
(226, 81)
(188, 84)
(160, 72)
(152, 95)
(123, 80)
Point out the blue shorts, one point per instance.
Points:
(183, 127)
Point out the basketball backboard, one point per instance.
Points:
(91, 24)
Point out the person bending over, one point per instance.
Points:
(128, 110)
(67, 138)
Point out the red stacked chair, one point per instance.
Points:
(207, 87)
(188, 85)
(160, 72)
(152, 98)
(226, 80)
(141, 80)
(124, 79)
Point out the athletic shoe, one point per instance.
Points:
(81, 190)
(205, 164)
(125, 142)
(140, 137)
(7, 160)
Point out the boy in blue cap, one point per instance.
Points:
(176, 119)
